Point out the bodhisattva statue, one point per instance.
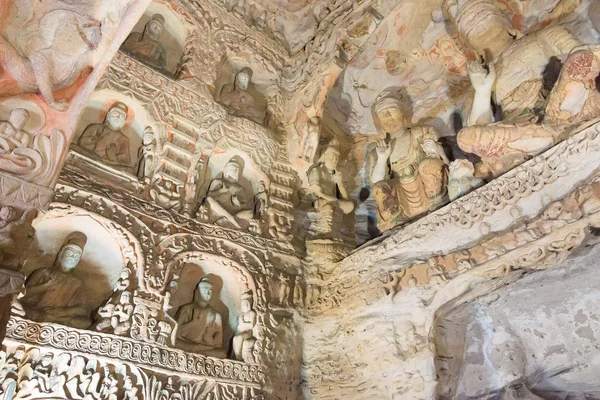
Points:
(200, 326)
(239, 101)
(326, 182)
(520, 74)
(410, 174)
(106, 141)
(230, 203)
(55, 294)
(12, 132)
(145, 46)
(243, 342)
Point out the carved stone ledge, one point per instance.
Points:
(18, 192)
(147, 355)
(522, 192)
(75, 181)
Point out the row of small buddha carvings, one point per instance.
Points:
(57, 294)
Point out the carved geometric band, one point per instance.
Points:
(20, 193)
(126, 349)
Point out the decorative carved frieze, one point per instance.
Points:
(125, 349)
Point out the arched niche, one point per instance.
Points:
(230, 281)
(265, 77)
(101, 262)
(173, 35)
(138, 120)
(250, 178)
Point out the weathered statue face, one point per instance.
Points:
(69, 257)
(231, 172)
(154, 29)
(391, 119)
(330, 159)
(116, 119)
(147, 139)
(205, 292)
(242, 80)
(19, 117)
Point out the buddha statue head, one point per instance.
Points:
(482, 26)
(330, 156)
(242, 79)
(203, 292)
(388, 115)
(18, 118)
(154, 27)
(70, 253)
(117, 116)
(233, 169)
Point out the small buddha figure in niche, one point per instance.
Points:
(12, 132)
(524, 77)
(200, 326)
(241, 101)
(410, 173)
(243, 342)
(106, 141)
(145, 46)
(230, 203)
(326, 182)
(55, 294)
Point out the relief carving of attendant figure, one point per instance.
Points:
(310, 140)
(326, 182)
(520, 73)
(55, 294)
(147, 157)
(243, 342)
(200, 326)
(240, 100)
(145, 46)
(12, 132)
(410, 174)
(230, 203)
(106, 141)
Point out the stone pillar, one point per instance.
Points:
(52, 55)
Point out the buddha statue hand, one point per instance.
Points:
(482, 78)
(383, 149)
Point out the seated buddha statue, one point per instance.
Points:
(200, 326)
(410, 172)
(241, 100)
(229, 201)
(106, 141)
(145, 46)
(55, 294)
